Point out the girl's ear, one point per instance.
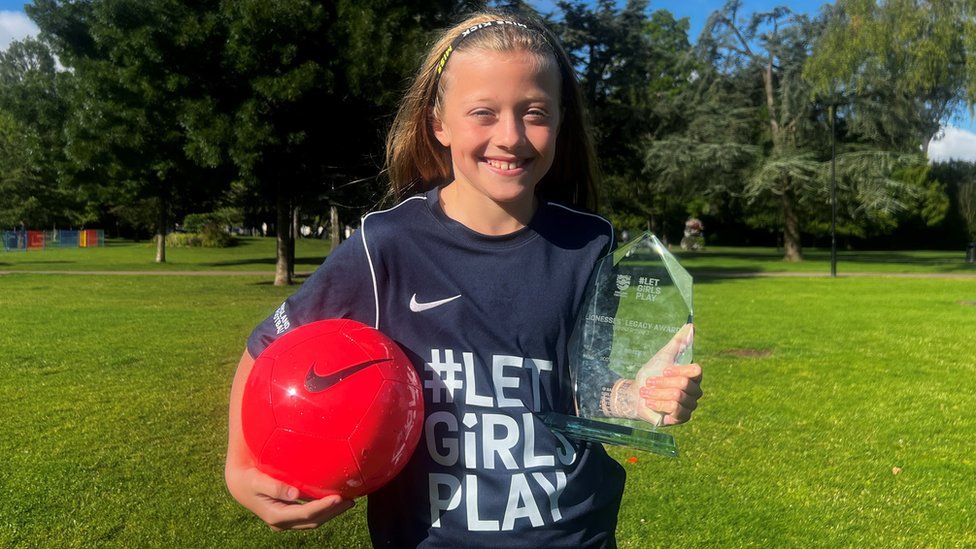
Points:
(440, 132)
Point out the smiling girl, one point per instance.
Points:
(478, 273)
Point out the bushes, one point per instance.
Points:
(206, 239)
(204, 230)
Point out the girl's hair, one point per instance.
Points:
(416, 161)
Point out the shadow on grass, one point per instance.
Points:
(707, 275)
(894, 257)
(297, 280)
(764, 256)
(315, 261)
(46, 262)
(944, 256)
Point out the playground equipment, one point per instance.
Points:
(28, 240)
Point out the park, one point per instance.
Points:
(193, 145)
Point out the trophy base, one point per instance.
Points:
(610, 433)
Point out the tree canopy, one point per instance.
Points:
(134, 113)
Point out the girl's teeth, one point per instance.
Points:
(504, 165)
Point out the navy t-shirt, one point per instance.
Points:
(486, 321)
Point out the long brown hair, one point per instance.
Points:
(416, 161)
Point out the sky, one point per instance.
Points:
(958, 138)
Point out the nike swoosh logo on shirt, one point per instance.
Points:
(316, 383)
(416, 306)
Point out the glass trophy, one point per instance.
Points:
(631, 326)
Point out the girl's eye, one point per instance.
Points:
(482, 113)
(537, 114)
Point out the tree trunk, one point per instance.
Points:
(771, 100)
(333, 227)
(282, 269)
(791, 228)
(295, 233)
(161, 230)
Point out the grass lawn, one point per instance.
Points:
(113, 394)
(257, 254)
(817, 260)
(251, 254)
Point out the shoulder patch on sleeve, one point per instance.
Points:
(281, 322)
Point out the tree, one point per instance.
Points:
(631, 65)
(34, 106)
(906, 65)
(959, 178)
(711, 144)
(315, 88)
(773, 46)
(791, 167)
(141, 68)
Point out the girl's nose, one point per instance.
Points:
(511, 131)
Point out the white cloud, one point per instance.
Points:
(15, 25)
(955, 143)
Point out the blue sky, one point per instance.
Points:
(960, 133)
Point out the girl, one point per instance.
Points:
(477, 273)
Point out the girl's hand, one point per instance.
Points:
(278, 505)
(271, 500)
(673, 396)
(663, 392)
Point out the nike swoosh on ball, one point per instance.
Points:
(316, 383)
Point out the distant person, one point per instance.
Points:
(477, 273)
(694, 235)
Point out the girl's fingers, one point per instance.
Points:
(690, 371)
(669, 401)
(271, 487)
(680, 414)
(665, 388)
(285, 516)
(662, 406)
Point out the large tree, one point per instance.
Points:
(314, 86)
(904, 66)
(632, 64)
(141, 68)
(790, 169)
(773, 46)
(34, 108)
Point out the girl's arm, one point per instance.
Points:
(271, 500)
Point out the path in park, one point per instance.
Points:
(728, 274)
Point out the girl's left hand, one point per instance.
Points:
(662, 393)
(675, 393)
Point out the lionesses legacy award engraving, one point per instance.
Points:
(638, 299)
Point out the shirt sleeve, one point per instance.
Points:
(342, 287)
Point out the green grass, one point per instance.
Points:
(251, 254)
(257, 254)
(113, 395)
(817, 260)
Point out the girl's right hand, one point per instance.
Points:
(278, 505)
(273, 501)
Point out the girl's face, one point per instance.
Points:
(499, 117)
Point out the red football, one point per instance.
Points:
(332, 407)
